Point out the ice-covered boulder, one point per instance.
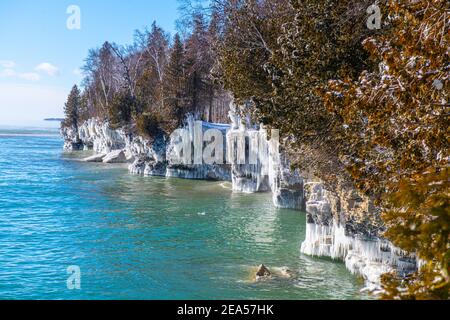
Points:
(95, 158)
(116, 156)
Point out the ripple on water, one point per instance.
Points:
(144, 237)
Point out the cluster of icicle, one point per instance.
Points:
(197, 171)
(251, 176)
(100, 137)
(151, 159)
(327, 237)
(369, 258)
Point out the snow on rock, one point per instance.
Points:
(95, 158)
(72, 141)
(98, 136)
(116, 156)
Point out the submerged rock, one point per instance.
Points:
(285, 272)
(262, 272)
(116, 156)
(95, 158)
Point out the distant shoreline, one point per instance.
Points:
(54, 119)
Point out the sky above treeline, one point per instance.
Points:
(41, 57)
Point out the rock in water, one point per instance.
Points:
(262, 272)
(286, 272)
(116, 156)
(94, 158)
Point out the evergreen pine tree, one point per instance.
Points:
(72, 108)
(174, 81)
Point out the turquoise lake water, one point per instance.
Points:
(144, 237)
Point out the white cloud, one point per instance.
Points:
(10, 73)
(30, 76)
(7, 64)
(48, 68)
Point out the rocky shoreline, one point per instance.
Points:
(340, 224)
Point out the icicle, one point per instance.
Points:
(370, 259)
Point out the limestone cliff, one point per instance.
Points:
(341, 224)
(345, 225)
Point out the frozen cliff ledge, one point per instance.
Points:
(94, 135)
(331, 231)
(288, 186)
(101, 138)
(338, 223)
(153, 158)
(72, 140)
(195, 136)
(270, 172)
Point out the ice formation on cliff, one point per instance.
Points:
(254, 158)
(187, 168)
(100, 137)
(367, 257)
(326, 232)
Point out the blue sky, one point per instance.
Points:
(40, 56)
